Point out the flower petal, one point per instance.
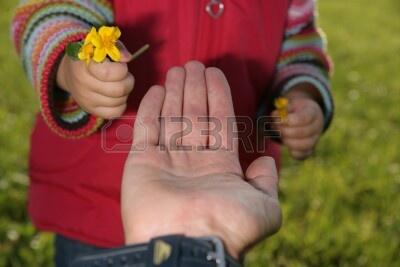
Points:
(82, 56)
(88, 36)
(117, 33)
(281, 102)
(106, 32)
(92, 34)
(109, 33)
(99, 55)
(93, 38)
(86, 52)
(114, 53)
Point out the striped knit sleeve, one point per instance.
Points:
(41, 29)
(303, 56)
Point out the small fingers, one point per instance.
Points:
(126, 56)
(115, 89)
(104, 101)
(300, 144)
(276, 122)
(108, 71)
(302, 131)
(109, 112)
(275, 114)
(301, 117)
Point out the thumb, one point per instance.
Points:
(126, 56)
(263, 175)
(292, 106)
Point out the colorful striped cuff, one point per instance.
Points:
(41, 30)
(69, 121)
(295, 74)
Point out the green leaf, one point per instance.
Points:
(73, 49)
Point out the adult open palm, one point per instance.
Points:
(194, 184)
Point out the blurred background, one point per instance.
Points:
(341, 208)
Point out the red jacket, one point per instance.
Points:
(75, 182)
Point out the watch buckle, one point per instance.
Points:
(218, 255)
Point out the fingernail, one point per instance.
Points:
(124, 51)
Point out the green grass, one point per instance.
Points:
(20, 244)
(341, 208)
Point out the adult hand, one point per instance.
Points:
(195, 192)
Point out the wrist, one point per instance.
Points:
(164, 251)
(187, 225)
(237, 255)
(194, 231)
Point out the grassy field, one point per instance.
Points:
(341, 208)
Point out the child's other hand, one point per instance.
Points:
(101, 89)
(303, 126)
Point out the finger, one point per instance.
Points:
(172, 108)
(263, 175)
(110, 112)
(301, 131)
(275, 115)
(300, 144)
(221, 110)
(195, 103)
(114, 89)
(301, 154)
(125, 54)
(276, 122)
(108, 71)
(105, 101)
(301, 117)
(147, 124)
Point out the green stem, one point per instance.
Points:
(139, 52)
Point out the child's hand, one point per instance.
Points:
(303, 126)
(101, 89)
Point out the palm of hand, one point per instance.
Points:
(196, 193)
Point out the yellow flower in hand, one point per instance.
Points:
(106, 44)
(281, 104)
(100, 44)
(87, 50)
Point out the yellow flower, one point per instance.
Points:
(99, 45)
(281, 104)
(88, 48)
(106, 44)
(86, 53)
(93, 37)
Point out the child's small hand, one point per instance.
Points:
(101, 89)
(303, 126)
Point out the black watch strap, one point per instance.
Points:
(166, 251)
